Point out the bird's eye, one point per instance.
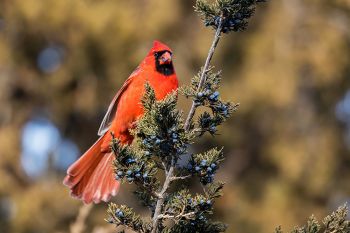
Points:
(156, 54)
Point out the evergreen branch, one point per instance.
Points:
(124, 216)
(333, 223)
(169, 176)
(205, 69)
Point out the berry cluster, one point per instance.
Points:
(206, 95)
(222, 109)
(234, 15)
(169, 142)
(131, 175)
(131, 166)
(207, 123)
(119, 215)
(235, 23)
(200, 219)
(122, 215)
(203, 169)
(200, 204)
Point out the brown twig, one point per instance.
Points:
(203, 74)
(79, 225)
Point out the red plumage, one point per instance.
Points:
(91, 177)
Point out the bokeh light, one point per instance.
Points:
(65, 154)
(40, 140)
(343, 109)
(50, 59)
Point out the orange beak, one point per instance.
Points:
(165, 58)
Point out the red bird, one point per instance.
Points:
(91, 177)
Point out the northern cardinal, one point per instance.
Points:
(91, 177)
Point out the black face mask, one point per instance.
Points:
(165, 69)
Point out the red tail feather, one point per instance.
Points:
(91, 177)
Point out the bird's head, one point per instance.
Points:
(161, 55)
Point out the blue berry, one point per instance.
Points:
(119, 173)
(145, 175)
(158, 141)
(197, 168)
(203, 162)
(130, 179)
(174, 135)
(129, 172)
(120, 214)
(138, 175)
(209, 169)
(212, 97)
(118, 177)
(213, 165)
(174, 140)
(231, 23)
(200, 94)
(130, 160)
(216, 93)
(212, 129)
(209, 202)
(189, 166)
(147, 153)
(201, 202)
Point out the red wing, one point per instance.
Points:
(112, 108)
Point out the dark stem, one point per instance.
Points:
(170, 172)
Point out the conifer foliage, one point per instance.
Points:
(336, 222)
(162, 137)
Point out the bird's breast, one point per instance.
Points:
(130, 107)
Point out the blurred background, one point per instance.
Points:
(288, 146)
